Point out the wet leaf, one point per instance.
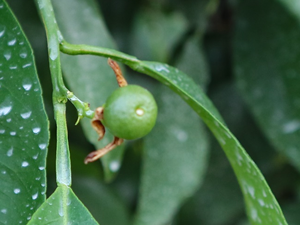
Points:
(23, 125)
(89, 77)
(62, 207)
(269, 80)
(261, 205)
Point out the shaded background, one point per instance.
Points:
(209, 40)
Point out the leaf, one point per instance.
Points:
(174, 160)
(219, 197)
(90, 78)
(23, 125)
(101, 201)
(269, 80)
(262, 207)
(62, 207)
(155, 34)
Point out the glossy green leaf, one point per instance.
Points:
(90, 78)
(269, 80)
(177, 146)
(261, 205)
(23, 125)
(62, 207)
(101, 201)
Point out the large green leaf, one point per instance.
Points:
(62, 207)
(262, 207)
(267, 68)
(23, 125)
(174, 160)
(90, 78)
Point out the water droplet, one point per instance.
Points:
(161, 67)
(2, 30)
(114, 165)
(13, 133)
(41, 168)
(25, 164)
(8, 120)
(35, 156)
(5, 110)
(3, 171)
(4, 211)
(13, 67)
(23, 55)
(36, 130)
(29, 217)
(17, 190)
(10, 152)
(261, 202)
(27, 87)
(251, 191)
(60, 211)
(12, 42)
(42, 146)
(2, 131)
(26, 115)
(7, 54)
(26, 65)
(34, 197)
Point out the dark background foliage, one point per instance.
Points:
(211, 42)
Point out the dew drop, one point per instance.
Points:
(114, 166)
(7, 54)
(2, 30)
(13, 67)
(23, 55)
(4, 211)
(35, 156)
(10, 152)
(26, 65)
(27, 87)
(34, 197)
(2, 131)
(36, 130)
(3, 171)
(12, 42)
(13, 133)
(17, 190)
(5, 110)
(161, 67)
(41, 168)
(42, 146)
(25, 164)
(26, 115)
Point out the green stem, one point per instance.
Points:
(63, 168)
(63, 164)
(54, 38)
(72, 49)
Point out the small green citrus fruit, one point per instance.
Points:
(130, 112)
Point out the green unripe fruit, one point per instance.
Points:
(130, 112)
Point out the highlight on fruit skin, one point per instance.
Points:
(130, 112)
